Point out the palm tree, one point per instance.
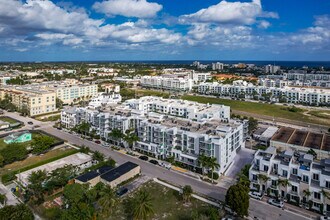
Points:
(142, 206)
(186, 193)
(325, 195)
(263, 178)
(116, 134)
(307, 194)
(107, 201)
(202, 159)
(130, 138)
(212, 164)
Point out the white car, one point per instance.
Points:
(166, 165)
(324, 218)
(276, 203)
(255, 195)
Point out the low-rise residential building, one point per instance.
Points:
(92, 177)
(309, 96)
(295, 139)
(293, 176)
(120, 174)
(167, 83)
(80, 160)
(169, 128)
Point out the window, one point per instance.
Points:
(254, 177)
(316, 176)
(266, 168)
(285, 173)
(317, 195)
(294, 171)
(305, 179)
(294, 188)
(274, 183)
(327, 184)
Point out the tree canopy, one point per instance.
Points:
(237, 198)
(18, 212)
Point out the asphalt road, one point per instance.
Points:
(258, 209)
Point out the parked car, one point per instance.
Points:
(143, 158)
(30, 122)
(276, 203)
(122, 191)
(98, 142)
(255, 195)
(166, 165)
(324, 218)
(154, 162)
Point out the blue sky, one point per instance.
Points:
(73, 30)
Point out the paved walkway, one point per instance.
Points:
(193, 195)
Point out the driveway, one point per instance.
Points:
(11, 199)
(243, 157)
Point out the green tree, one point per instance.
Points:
(60, 177)
(202, 160)
(59, 103)
(3, 199)
(13, 152)
(35, 187)
(253, 124)
(130, 138)
(237, 198)
(142, 206)
(98, 156)
(41, 143)
(213, 164)
(1, 160)
(187, 193)
(18, 212)
(107, 201)
(116, 135)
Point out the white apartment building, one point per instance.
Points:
(310, 96)
(167, 83)
(272, 69)
(167, 127)
(60, 71)
(104, 99)
(293, 176)
(181, 108)
(217, 66)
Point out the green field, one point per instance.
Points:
(9, 120)
(167, 204)
(271, 110)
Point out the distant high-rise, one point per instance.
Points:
(217, 66)
(272, 69)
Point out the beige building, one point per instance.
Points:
(37, 102)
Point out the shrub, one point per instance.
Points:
(5, 178)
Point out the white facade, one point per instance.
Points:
(272, 69)
(158, 82)
(307, 179)
(311, 96)
(217, 66)
(169, 127)
(104, 99)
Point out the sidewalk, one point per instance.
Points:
(193, 195)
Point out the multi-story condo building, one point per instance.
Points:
(272, 69)
(35, 101)
(183, 81)
(293, 176)
(217, 66)
(68, 91)
(309, 96)
(169, 128)
(167, 83)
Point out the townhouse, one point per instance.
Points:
(293, 176)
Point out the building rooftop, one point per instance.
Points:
(118, 171)
(283, 134)
(94, 173)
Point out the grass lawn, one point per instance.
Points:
(8, 119)
(260, 108)
(33, 160)
(152, 93)
(166, 204)
(321, 114)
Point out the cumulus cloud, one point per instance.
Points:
(239, 13)
(128, 8)
(317, 35)
(51, 23)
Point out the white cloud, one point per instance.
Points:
(264, 24)
(128, 8)
(237, 13)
